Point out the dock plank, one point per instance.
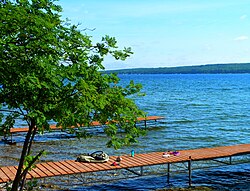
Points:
(67, 170)
(4, 177)
(50, 169)
(38, 173)
(8, 172)
(44, 170)
(68, 165)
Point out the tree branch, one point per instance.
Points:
(25, 171)
(32, 162)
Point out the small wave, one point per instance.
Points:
(183, 121)
(197, 105)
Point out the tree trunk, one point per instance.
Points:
(24, 173)
(26, 145)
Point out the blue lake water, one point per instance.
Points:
(200, 110)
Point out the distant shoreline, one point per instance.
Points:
(236, 68)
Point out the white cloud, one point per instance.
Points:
(243, 17)
(240, 38)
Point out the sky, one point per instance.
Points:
(167, 33)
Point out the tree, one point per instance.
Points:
(50, 71)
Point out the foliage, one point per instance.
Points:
(50, 71)
(203, 69)
(31, 185)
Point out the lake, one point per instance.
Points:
(200, 110)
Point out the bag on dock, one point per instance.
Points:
(98, 156)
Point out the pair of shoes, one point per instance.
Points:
(175, 153)
(165, 155)
(169, 153)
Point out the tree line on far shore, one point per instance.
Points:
(201, 69)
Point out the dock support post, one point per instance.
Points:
(230, 160)
(190, 171)
(168, 173)
(141, 170)
(145, 123)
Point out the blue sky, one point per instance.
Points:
(168, 33)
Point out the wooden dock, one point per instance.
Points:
(71, 167)
(54, 127)
(94, 123)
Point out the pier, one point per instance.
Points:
(221, 154)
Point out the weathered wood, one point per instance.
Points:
(94, 123)
(54, 127)
(69, 167)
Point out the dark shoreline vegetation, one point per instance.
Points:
(236, 68)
